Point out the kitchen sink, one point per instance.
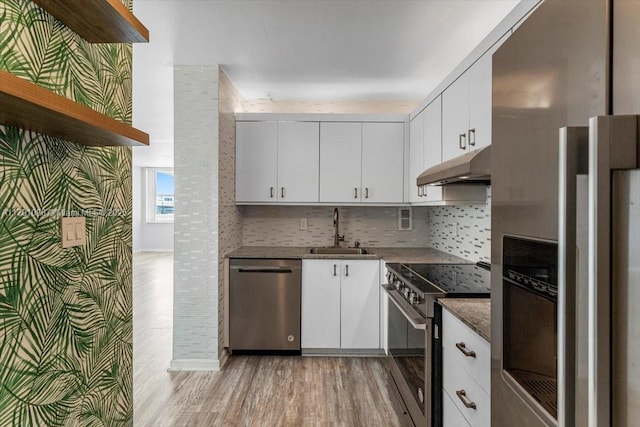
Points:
(330, 250)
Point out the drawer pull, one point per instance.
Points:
(462, 395)
(463, 348)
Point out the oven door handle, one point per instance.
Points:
(417, 321)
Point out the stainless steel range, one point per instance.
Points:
(414, 330)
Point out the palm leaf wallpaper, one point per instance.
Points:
(65, 314)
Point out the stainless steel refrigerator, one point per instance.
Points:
(566, 217)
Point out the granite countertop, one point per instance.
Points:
(474, 312)
(416, 255)
(405, 255)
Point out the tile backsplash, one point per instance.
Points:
(464, 231)
(372, 226)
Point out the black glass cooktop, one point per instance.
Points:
(453, 280)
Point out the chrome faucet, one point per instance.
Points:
(337, 238)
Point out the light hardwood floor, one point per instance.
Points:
(250, 390)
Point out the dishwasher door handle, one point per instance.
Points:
(276, 270)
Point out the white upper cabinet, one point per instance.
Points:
(479, 133)
(340, 162)
(277, 161)
(416, 156)
(301, 159)
(455, 118)
(382, 162)
(298, 161)
(432, 146)
(361, 162)
(256, 161)
(425, 150)
(466, 108)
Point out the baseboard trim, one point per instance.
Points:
(223, 358)
(194, 365)
(337, 352)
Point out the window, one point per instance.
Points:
(160, 191)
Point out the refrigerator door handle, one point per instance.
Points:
(573, 161)
(613, 145)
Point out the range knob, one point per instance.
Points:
(406, 292)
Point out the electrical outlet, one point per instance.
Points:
(303, 223)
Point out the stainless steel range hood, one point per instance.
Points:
(472, 167)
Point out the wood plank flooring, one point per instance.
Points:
(250, 390)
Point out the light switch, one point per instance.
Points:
(72, 231)
(71, 235)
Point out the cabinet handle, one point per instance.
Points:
(472, 141)
(420, 191)
(462, 141)
(462, 395)
(271, 192)
(282, 192)
(463, 348)
(346, 270)
(335, 273)
(424, 191)
(366, 193)
(355, 190)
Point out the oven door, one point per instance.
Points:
(409, 340)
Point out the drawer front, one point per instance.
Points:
(451, 416)
(455, 381)
(458, 337)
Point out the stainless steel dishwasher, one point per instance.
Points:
(264, 304)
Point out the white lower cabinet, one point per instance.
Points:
(320, 311)
(451, 416)
(466, 374)
(340, 304)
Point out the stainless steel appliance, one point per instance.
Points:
(472, 167)
(414, 329)
(530, 287)
(563, 171)
(264, 304)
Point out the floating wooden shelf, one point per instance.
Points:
(98, 21)
(27, 105)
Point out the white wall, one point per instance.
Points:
(153, 113)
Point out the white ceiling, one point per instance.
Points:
(306, 49)
(324, 49)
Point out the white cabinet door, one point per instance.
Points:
(298, 161)
(480, 103)
(320, 311)
(340, 162)
(432, 146)
(451, 416)
(256, 161)
(382, 162)
(455, 118)
(360, 305)
(416, 155)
